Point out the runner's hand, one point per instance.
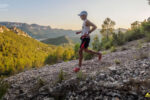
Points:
(78, 32)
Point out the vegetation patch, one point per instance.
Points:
(113, 49)
(141, 56)
(61, 76)
(123, 48)
(81, 75)
(3, 88)
(19, 53)
(117, 62)
(104, 52)
(110, 38)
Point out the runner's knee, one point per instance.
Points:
(85, 50)
(80, 51)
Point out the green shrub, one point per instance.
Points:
(3, 88)
(76, 50)
(139, 44)
(145, 28)
(148, 37)
(104, 53)
(87, 56)
(106, 43)
(61, 76)
(117, 61)
(113, 49)
(133, 35)
(80, 75)
(41, 82)
(96, 43)
(118, 39)
(137, 31)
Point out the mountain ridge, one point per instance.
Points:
(41, 32)
(15, 30)
(38, 31)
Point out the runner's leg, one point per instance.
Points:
(90, 51)
(80, 56)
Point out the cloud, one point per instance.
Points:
(4, 7)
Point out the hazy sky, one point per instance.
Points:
(63, 13)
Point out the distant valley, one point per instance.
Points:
(58, 41)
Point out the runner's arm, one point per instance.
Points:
(78, 32)
(88, 23)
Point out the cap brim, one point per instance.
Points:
(81, 14)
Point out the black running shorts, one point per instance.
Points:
(85, 42)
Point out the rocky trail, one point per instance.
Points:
(121, 75)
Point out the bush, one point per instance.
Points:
(139, 45)
(104, 53)
(87, 56)
(51, 59)
(117, 61)
(148, 37)
(137, 32)
(3, 88)
(61, 76)
(96, 44)
(76, 50)
(145, 28)
(113, 49)
(41, 82)
(133, 35)
(118, 39)
(80, 75)
(107, 45)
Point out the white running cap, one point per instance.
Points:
(83, 13)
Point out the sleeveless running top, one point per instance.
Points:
(85, 29)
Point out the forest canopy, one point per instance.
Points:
(18, 53)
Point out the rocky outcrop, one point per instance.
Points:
(15, 30)
(3, 28)
(19, 32)
(121, 75)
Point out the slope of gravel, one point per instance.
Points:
(121, 75)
